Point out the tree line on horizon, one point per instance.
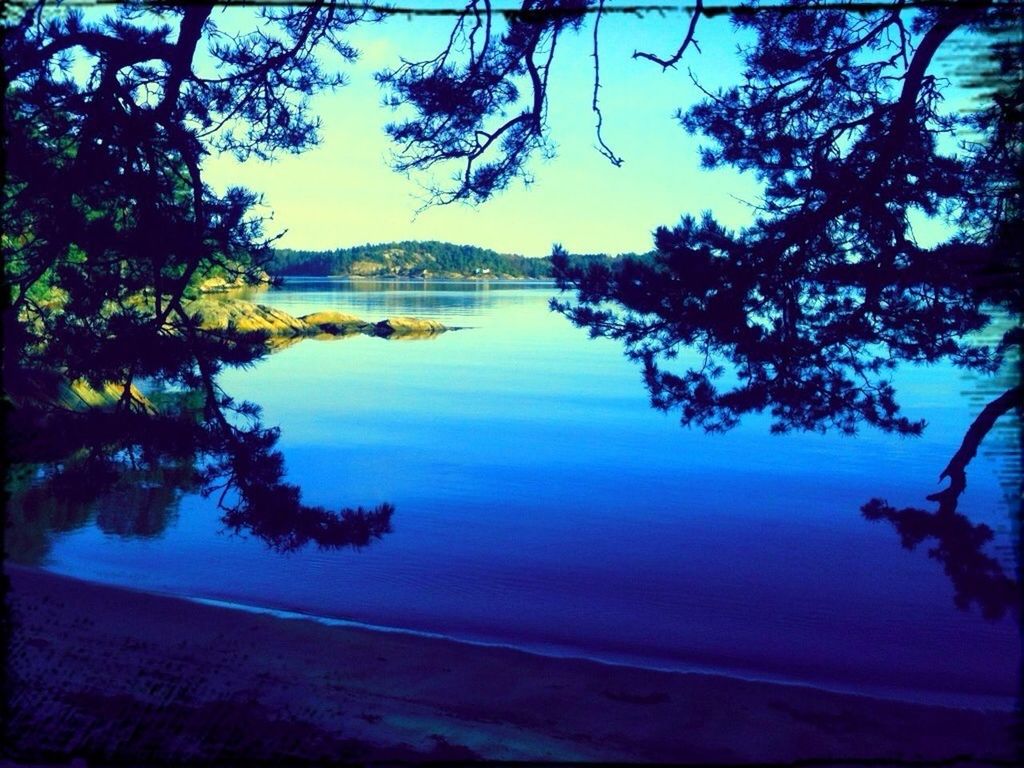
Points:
(422, 258)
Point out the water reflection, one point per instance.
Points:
(407, 287)
(544, 505)
(960, 543)
(977, 578)
(420, 298)
(251, 495)
(128, 472)
(812, 353)
(126, 501)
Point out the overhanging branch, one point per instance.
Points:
(698, 9)
(956, 470)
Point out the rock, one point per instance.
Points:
(277, 343)
(222, 284)
(245, 317)
(278, 326)
(335, 323)
(213, 285)
(412, 327)
(80, 395)
(55, 391)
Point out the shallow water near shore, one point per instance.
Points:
(541, 503)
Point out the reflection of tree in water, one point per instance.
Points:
(248, 475)
(960, 544)
(805, 312)
(1003, 447)
(143, 502)
(125, 498)
(110, 234)
(129, 470)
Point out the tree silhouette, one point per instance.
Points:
(128, 470)
(109, 228)
(108, 224)
(463, 96)
(805, 312)
(811, 306)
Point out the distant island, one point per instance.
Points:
(422, 259)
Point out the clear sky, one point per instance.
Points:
(343, 192)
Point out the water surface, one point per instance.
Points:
(540, 502)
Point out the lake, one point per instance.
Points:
(541, 503)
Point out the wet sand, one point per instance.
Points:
(108, 674)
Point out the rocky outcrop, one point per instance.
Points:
(282, 329)
(223, 284)
(53, 391)
(245, 317)
(35, 396)
(335, 323)
(408, 328)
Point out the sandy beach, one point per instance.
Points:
(111, 675)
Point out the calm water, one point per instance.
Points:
(541, 503)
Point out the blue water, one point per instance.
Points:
(540, 502)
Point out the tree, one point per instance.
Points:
(805, 312)
(108, 216)
(840, 119)
(109, 228)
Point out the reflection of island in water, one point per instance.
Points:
(128, 471)
(426, 298)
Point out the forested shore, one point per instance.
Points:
(425, 259)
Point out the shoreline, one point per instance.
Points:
(130, 674)
(948, 699)
(933, 698)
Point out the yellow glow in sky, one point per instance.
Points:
(343, 192)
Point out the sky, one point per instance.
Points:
(343, 192)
